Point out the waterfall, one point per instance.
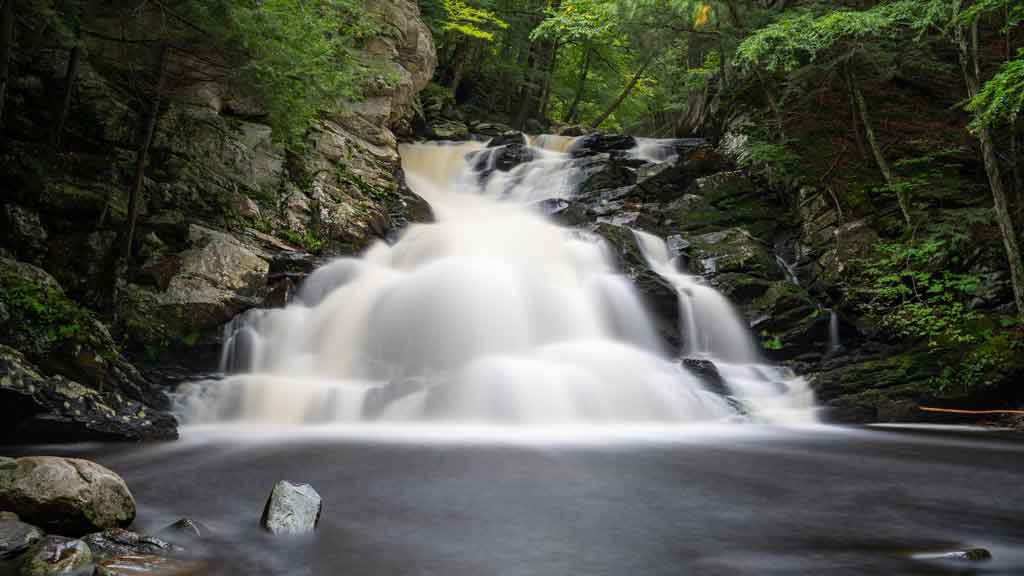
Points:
(491, 314)
(834, 343)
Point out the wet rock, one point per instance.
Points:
(502, 159)
(565, 212)
(451, 130)
(65, 495)
(505, 138)
(731, 250)
(16, 536)
(119, 542)
(149, 565)
(708, 374)
(4, 515)
(599, 143)
(658, 294)
(185, 530)
(55, 409)
(491, 129)
(57, 555)
(967, 555)
(291, 509)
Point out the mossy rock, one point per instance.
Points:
(731, 250)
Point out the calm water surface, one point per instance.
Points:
(728, 500)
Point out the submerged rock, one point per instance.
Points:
(708, 374)
(16, 536)
(150, 565)
(185, 530)
(57, 555)
(65, 495)
(119, 542)
(292, 509)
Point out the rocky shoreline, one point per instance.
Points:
(71, 516)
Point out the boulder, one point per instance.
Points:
(510, 137)
(57, 555)
(115, 542)
(503, 158)
(600, 143)
(17, 537)
(291, 509)
(730, 250)
(65, 495)
(150, 565)
(185, 530)
(447, 130)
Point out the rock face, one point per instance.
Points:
(65, 495)
(221, 204)
(291, 509)
(57, 555)
(17, 537)
(41, 408)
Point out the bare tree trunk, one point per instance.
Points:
(146, 139)
(6, 39)
(902, 195)
(625, 93)
(65, 100)
(581, 84)
(969, 65)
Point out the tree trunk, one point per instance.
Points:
(581, 84)
(969, 65)
(6, 38)
(902, 194)
(145, 140)
(625, 93)
(65, 100)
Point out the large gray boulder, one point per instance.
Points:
(57, 555)
(65, 495)
(17, 537)
(291, 509)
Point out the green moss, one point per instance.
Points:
(41, 317)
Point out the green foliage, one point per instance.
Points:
(913, 291)
(309, 241)
(297, 54)
(470, 21)
(769, 342)
(41, 318)
(1000, 99)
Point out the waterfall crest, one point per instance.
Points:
(491, 314)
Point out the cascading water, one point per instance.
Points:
(492, 314)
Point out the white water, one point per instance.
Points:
(492, 314)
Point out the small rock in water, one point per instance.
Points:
(16, 536)
(291, 509)
(121, 542)
(966, 555)
(9, 516)
(65, 495)
(57, 555)
(185, 530)
(971, 555)
(149, 565)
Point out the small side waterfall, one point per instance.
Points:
(491, 314)
(834, 342)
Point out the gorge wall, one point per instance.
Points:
(227, 222)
